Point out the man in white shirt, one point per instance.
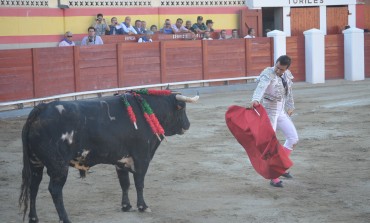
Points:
(251, 33)
(127, 27)
(67, 41)
(91, 39)
(146, 38)
(178, 27)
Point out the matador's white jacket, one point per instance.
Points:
(270, 90)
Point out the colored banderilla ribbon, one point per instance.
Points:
(149, 115)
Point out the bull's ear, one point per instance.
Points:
(179, 107)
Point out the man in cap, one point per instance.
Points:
(209, 24)
(199, 26)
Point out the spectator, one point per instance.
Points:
(167, 29)
(251, 33)
(100, 25)
(137, 27)
(127, 27)
(92, 38)
(188, 26)
(178, 27)
(67, 40)
(115, 28)
(207, 35)
(209, 24)
(234, 34)
(199, 27)
(143, 27)
(146, 38)
(223, 34)
(154, 28)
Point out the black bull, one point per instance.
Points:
(89, 132)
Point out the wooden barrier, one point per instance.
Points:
(334, 57)
(16, 75)
(367, 55)
(223, 58)
(109, 39)
(295, 48)
(53, 71)
(139, 64)
(181, 61)
(96, 67)
(43, 72)
(259, 55)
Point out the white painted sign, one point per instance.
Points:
(256, 4)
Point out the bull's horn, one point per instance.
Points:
(187, 99)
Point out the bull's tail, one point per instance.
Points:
(26, 172)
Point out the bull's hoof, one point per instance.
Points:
(126, 208)
(33, 220)
(144, 209)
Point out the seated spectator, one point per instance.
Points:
(127, 27)
(115, 28)
(167, 29)
(251, 33)
(209, 24)
(143, 27)
(178, 27)
(199, 27)
(223, 34)
(188, 26)
(92, 38)
(67, 41)
(146, 38)
(207, 35)
(154, 28)
(137, 27)
(100, 25)
(234, 34)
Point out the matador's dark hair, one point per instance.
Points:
(284, 60)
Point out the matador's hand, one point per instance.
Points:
(253, 104)
(290, 112)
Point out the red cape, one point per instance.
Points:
(255, 133)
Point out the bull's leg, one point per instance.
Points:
(139, 184)
(124, 181)
(34, 188)
(58, 178)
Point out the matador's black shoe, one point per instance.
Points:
(287, 175)
(278, 184)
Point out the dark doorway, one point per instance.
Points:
(272, 19)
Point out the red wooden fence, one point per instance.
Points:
(42, 72)
(334, 57)
(295, 48)
(367, 55)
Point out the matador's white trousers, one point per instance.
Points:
(281, 121)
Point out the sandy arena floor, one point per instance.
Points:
(205, 175)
